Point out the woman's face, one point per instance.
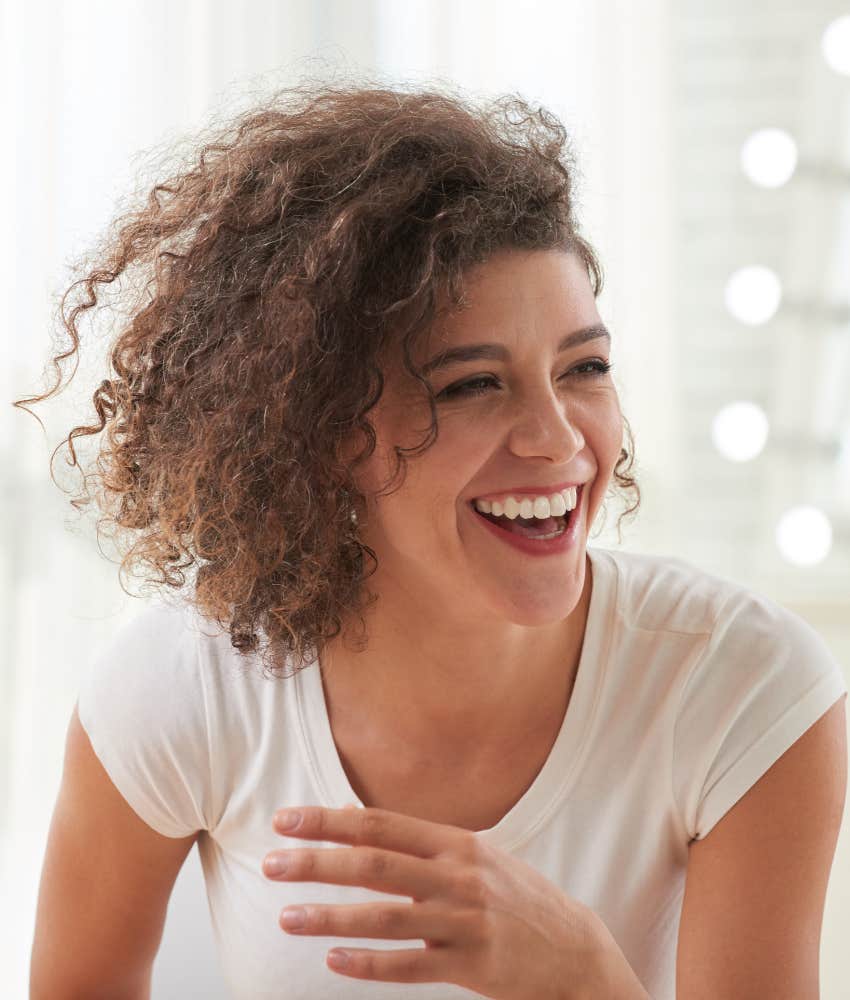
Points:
(542, 418)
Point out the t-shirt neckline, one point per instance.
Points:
(554, 780)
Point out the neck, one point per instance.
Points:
(453, 688)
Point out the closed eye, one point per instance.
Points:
(486, 382)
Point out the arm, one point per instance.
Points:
(104, 891)
(756, 884)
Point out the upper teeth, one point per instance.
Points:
(528, 507)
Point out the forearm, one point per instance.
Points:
(612, 977)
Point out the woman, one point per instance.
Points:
(368, 397)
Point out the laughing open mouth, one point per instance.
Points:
(533, 527)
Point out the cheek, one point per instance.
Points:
(610, 436)
(615, 443)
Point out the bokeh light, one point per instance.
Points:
(752, 294)
(769, 157)
(835, 44)
(804, 535)
(739, 431)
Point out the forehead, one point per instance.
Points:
(517, 292)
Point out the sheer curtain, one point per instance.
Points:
(88, 92)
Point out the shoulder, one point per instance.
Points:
(659, 592)
(762, 644)
(144, 708)
(762, 679)
(155, 627)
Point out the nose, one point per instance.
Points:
(545, 428)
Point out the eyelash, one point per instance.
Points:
(462, 388)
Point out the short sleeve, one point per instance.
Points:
(143, 707)
(764, 678)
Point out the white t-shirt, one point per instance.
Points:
(689, 687)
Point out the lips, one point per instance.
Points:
(533, 545)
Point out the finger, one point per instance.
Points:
(437, 924)
(379, 828)
(402, 965)
(371, 868)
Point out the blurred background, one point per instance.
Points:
(714, 147)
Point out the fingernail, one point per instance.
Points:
(338, 959)
(274, 866)
(293, 918)
(288, 819)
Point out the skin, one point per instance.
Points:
(490, 922)
(501, 663)
(482, 639)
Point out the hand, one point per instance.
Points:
(490, 922)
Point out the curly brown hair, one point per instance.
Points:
(311, 234)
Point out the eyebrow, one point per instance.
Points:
(498, 352)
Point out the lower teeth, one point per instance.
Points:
(564, 524)
(553, 534)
